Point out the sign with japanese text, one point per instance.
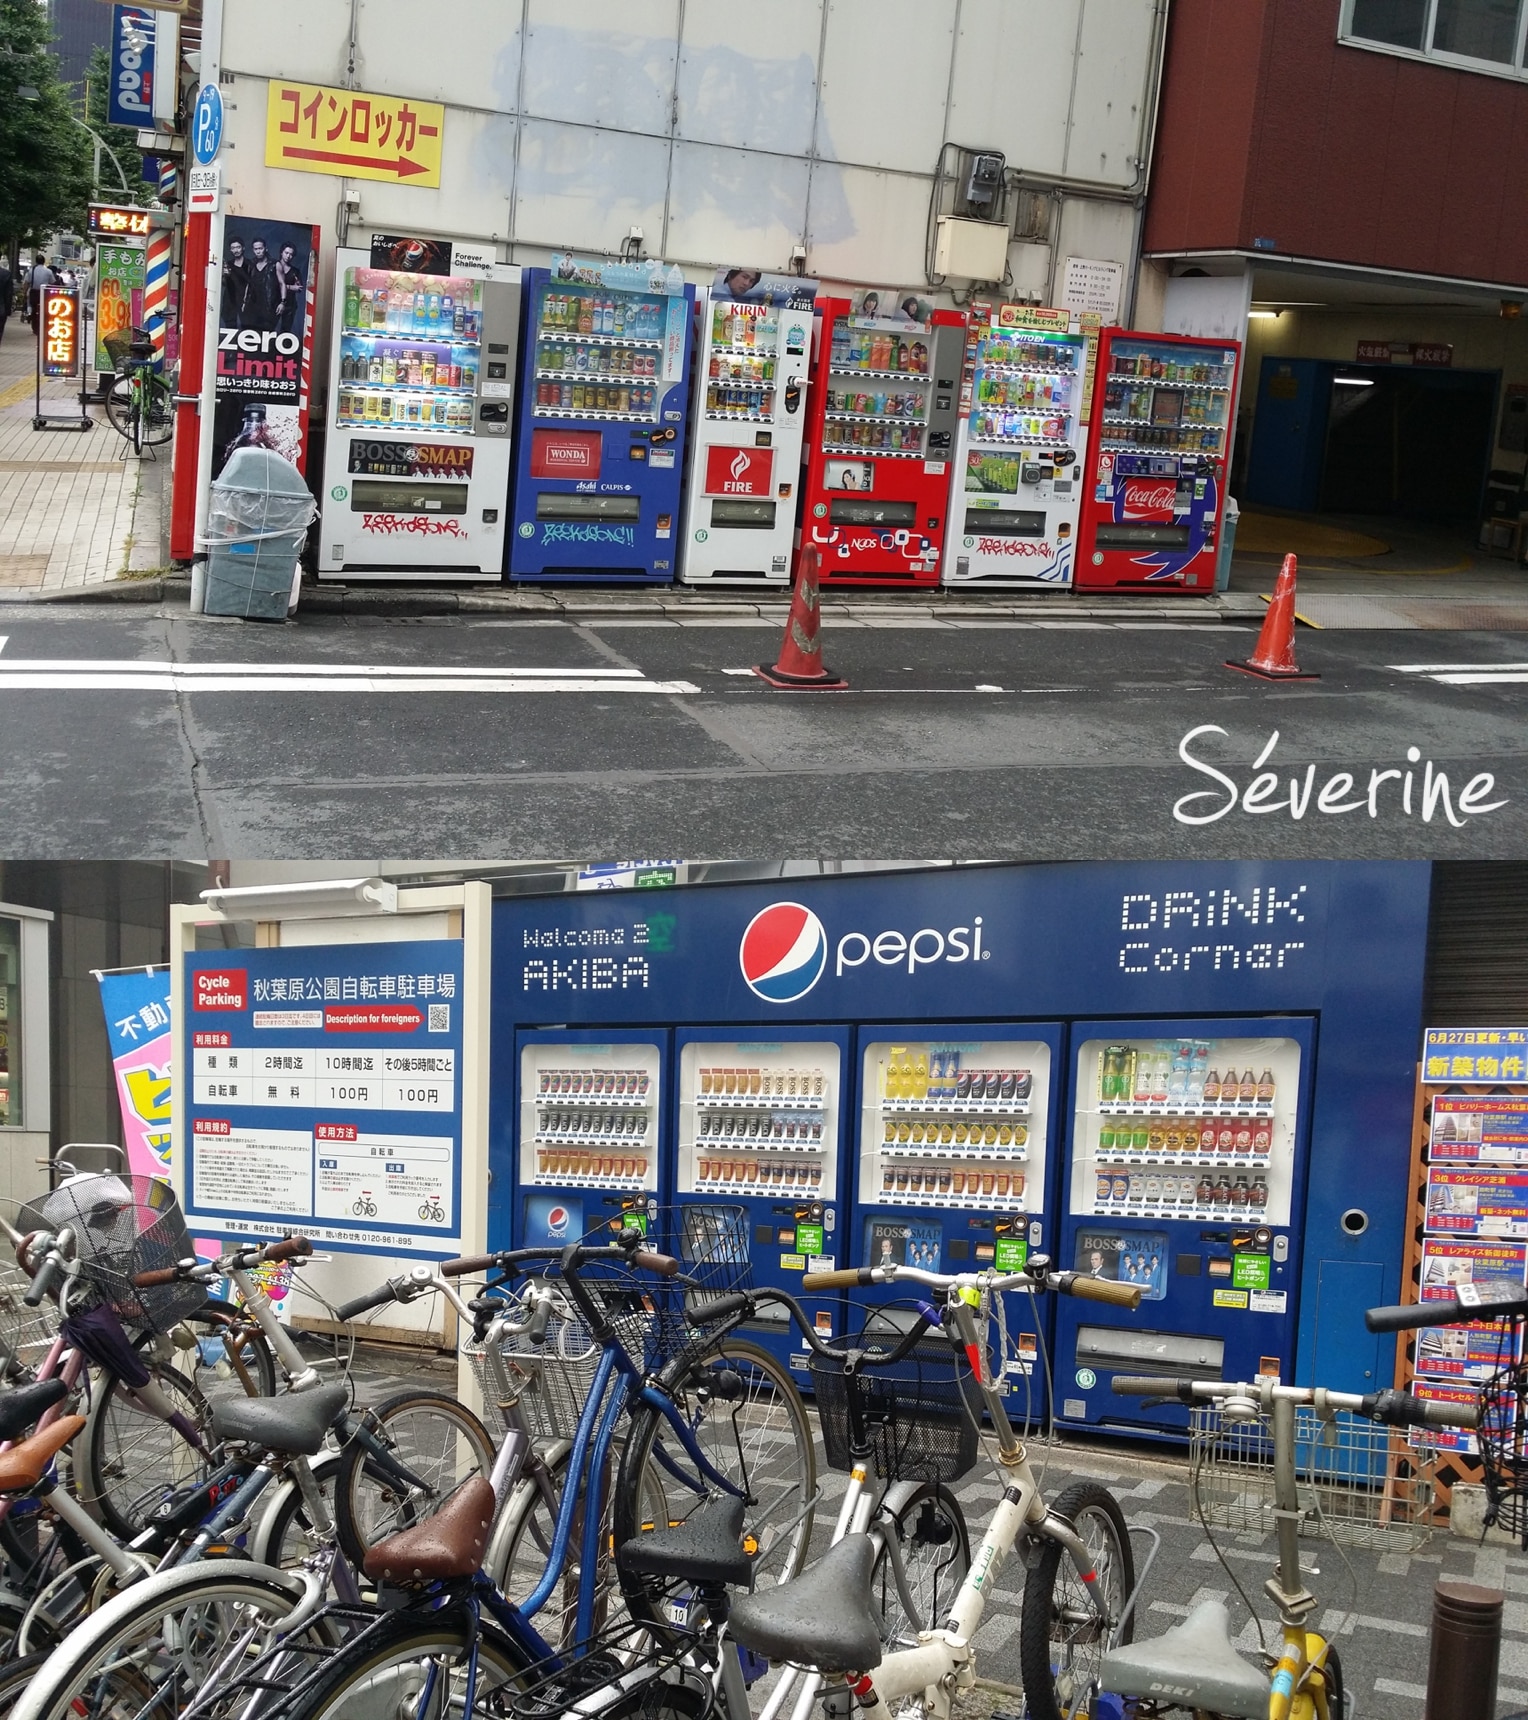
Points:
(137, 1008)
(122, 221)
(1468, 1130)
(130, 87)
(1477, 1203)
(1435, 355)
(58, 351)
(310, 128)
(325, 1094)
(1496, 1055)
(119, 295)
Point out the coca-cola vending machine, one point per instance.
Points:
(1154, 489)
(882, 428)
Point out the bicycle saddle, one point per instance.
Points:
(292, 1425)
(823, 1617)
(1193, 1664)
(22, 1467)
(20, 1408)
(449, 1544)
(705, 1549)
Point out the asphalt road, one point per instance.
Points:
(150, 734)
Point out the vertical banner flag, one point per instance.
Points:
(137, 1007)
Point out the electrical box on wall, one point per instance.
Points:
(982, 189)
(972, 250)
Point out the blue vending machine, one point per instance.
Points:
(603, 402)
(587, 1119)
(760, 1126)
(1186, 1176)
(956, 1122)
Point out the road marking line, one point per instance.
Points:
(358, 671)
(166, 680)
(4, 640)
(1455, 668)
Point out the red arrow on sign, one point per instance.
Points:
(403, 167)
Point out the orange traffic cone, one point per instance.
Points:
(800, 667)
(1274, 658)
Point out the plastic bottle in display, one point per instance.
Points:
(1265, 1088)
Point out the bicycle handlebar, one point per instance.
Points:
(46, 1278)
(1098, 1289)
(369, 1299)
(1392, 1408)
(1066, 1283)
(1491, 1299)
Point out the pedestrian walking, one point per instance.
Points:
(7, 295)
(38, 281)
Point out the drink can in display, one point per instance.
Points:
(1106, 1137)
(440, 408)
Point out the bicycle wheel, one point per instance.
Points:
(153, 1647)
(748, 1420)
(158, 415)
(15, 1676)
(1336, 1690)
(1061, 1638)
(285, 1536)
(935, 1549)
(413, 1664)
(129, 1459)
(435, 1438)
(119, 407)
(232, 1351)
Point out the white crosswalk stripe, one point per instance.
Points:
(1467, 674)
(99, 675)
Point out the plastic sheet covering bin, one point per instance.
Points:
(1227, 546)
(259, 515)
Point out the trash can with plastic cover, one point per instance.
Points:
(1227, 546)
(259, 515)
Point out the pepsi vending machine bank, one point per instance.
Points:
(1051, 986)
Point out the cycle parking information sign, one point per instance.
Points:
(325, 1094)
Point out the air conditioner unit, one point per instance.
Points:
(971, 250)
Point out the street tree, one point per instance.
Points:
(45, 154)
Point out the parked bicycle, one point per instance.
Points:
(141, 403)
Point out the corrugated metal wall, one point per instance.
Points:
(1477, 967)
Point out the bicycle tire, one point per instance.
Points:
(783, 1464)
(368, 1504)
(1336, 1689)
(378, 1675)
(158, 424)
(243, 1341)
(119, 1639)
(123, 1478)
(284, 1535)
(1052, 1690)
(15, 1676)
(936, 1554)
(119, 407)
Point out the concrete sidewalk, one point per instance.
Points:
(73, 511)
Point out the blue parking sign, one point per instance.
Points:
(207, 124)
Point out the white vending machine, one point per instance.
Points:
(745, 459)
(1018, 482)
(421, 391)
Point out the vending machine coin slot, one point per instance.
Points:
(1188, 1265)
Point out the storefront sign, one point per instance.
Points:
(1477, 1203)
(119, 295)
(1479, 1131)
(739, 471)
(311, 128)
(130, 90)
(1428, 354)
(123, 221)
(137, 1008)
(1497, 1056)
(59, 349)
(410, 459)
(329, 1099)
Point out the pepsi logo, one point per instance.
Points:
(557, 1221)
(783, 952)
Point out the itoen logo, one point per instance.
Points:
(918, 949)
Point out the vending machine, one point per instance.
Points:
(760, 1127)
(1186, 1176)
(1018, 463)
(604, 401)
(417, 456)
(884, 422)
(589, 1120)
(1155, 485)
(955, 1126)
(750, 421)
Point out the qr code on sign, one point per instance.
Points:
(440, 1018)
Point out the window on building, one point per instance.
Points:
(1486, 33)
(10, 1022)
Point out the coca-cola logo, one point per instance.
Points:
(1154, 497)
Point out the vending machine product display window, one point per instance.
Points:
(884, 424)
(740, 515)
(417, 458)
(1157, 461)
(603, 414)
(589, 1116)
(1018, 468)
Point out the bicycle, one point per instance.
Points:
(1194, 1666)
(361, 1207)
(141, 404)
(432, 1212)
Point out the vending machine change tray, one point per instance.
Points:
(756, 516)
(550, 506)
(1007, 522)
(1174, 1355)
(1141, 536)
(860, 511)
(369, 495)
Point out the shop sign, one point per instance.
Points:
(739, 471)
(123, 221)
(311, 128)
(130, 91)
(1435, 355)
(119, 295)
(410, 460)
(1490, 1054)
(60, 331)
(565, 453)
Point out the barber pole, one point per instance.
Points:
(169, 181)
(156, 291)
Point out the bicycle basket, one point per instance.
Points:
(711, 1243)
(123, 1225)
(1359, 1484)
(918, 1421)
(26, 1334)
(1502, 1441)
(547, 1383)
(622, 1669)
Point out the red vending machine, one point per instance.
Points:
(1155, 485)
(881, 438)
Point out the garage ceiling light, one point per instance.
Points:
(305, 901)
(1352, 382)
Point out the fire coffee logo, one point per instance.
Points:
(739, 471)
